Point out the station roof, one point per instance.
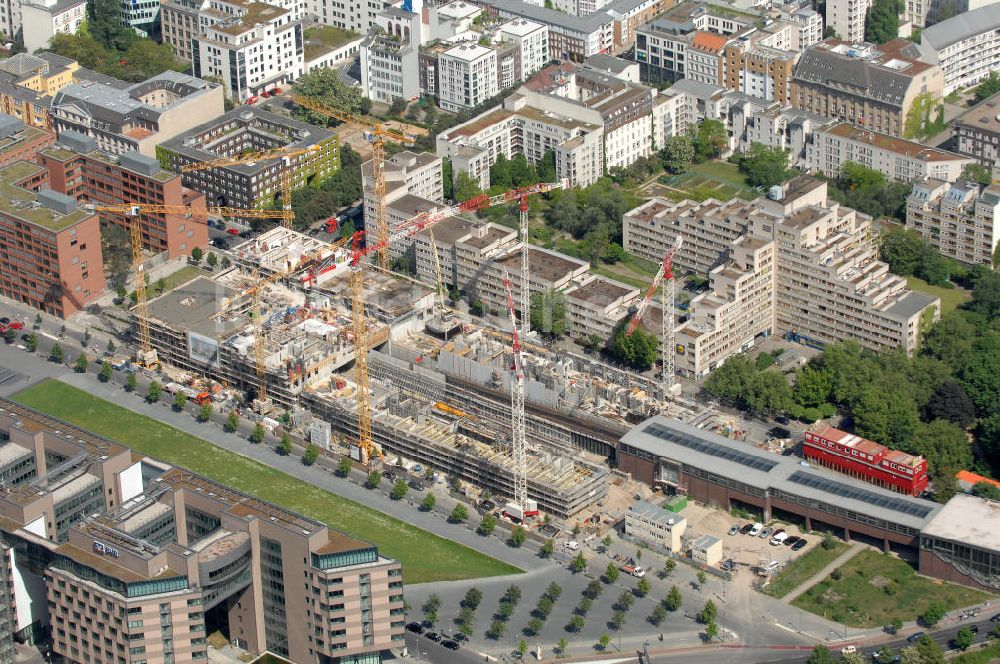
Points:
(969, 520)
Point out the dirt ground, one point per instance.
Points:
(745, 550)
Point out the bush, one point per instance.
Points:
(517, 536)
(285, 445)
(611, 574)
(130, 382)
(232, 423)
(344, 467)
(154, 392)
(105, 373)
(180, 400)
(374, 479)
(828, 541)
(460, 514)
(205, 412)
(933, 614)
(487, 525)
(399, 489)
(257, 436)
(310, 455)
(429, 502)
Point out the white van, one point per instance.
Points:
(757, 527)
(572, 545)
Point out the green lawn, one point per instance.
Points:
(950, 297)
(800, 569)
(711, 179)
(875, 589)
(425, 557)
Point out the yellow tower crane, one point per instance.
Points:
(375, 133)
(284, 154)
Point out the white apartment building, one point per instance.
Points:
(406, 174)
(961, 220)
(250, 47)
(467, 76)
(533, 41)
(801, 265)
(10, 17)
(592, 122)
(357, 15)
(654, 525)
(837, 143)
(966, 47)
(43, 19)
(847, 18)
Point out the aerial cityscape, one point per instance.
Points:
(455, 331)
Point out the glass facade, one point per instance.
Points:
(199, 524)
(983, 566)
(156, 586)
(273, 579)
(344, 558)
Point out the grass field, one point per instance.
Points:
(711, 179)
(803, 567)
(875, 589)
(425, 557)
(950, 297)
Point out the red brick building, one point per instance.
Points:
(19, 142)
(77, 169)
(865, 460)
(50, 249)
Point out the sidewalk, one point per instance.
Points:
(854, 550)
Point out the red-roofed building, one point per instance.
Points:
(967, 480)
(705, 57)
(865, 460)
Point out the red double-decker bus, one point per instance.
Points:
(866, 460)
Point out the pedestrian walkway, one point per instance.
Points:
(855, 549)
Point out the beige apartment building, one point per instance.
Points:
(961, 220)
(125, 559)
(801, 265)
(596, 306)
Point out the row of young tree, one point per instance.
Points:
(928, 404)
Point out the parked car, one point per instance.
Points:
(801, 544)
(449, 644)
(728, 565)
(426, 624)
(458, 636)
(773, 565)
(4, 320)
(781, 419)
(735, 529)
(276, 90)
(415, 628)
(433, 636)
(251, 100)
(849, 650)
(792, 540)
(416, 485)
(778, 539)
(233, 231)
(745, 530)
(572, 545)
(389, 475)
(265, 94)
(777, 531)
(764, 534)
(913, 638)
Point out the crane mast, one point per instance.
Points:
(525, 276)
(147, 355)
(518, 439)
(665, 273)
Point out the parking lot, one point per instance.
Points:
(743, 549)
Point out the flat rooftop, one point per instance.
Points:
(21, 203)
(196, 306)
(982, 116)
(450, 229)
(969, 520)
(547, 266)
(601, 291)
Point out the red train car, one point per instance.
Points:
(865, 460)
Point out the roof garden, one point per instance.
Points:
(322, 39)
(22, 203)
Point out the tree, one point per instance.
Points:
(205, 412)
(505, 611)
(821, 655)
(658, 615)
(161, 285)
(522, 647)
(38, 321)
(32, 343)
(765, 166)
(374, 479)
(611, 573)
(978, 173)
(887, 417)
(637, 351)
(607, 540)
(398, 106)
(584, 605)
(211, 259)
(882, 22)
(130, 382)
(106, 372)
(624, 601)
(711, 630)
(902, 249)
(677, 154)
(512, 595)
(949, 402)
(927, 651)
(311, 454)
(548, 313)
(111, 346)
(708, 613)
(642, 588)
(196, 254)
(710, 138)
(618, 619)
(428, 504)
(604, 641)
(344, 467)
(986, 490)
(562, 646)
(459, 514)
(701, 578)
(544, 606)
(487, 524)
(86, 337)
(496, 630)
(225, 263)
(964, 638)
(668, 567)
(578, 564)
(593, 590)
(56, 354)
(547, 548)
(80, 366)
(989, 87)
(517, 536)
(180, 400)
(473, 597)
(257, 435)
(466, 187)
(673, 600)
(154, 392)
(232, 423)
(325, 86)
(933, 614)
(886, 654)
(399, 489)
(553, 591)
